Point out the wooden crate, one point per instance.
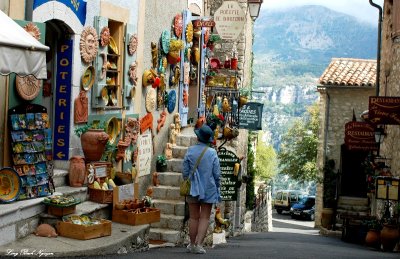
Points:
(60, 211)
(82, 232)
(131, 217)
(102, 170)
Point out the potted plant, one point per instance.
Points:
(93, 140)
(389, 233)
(161, 163)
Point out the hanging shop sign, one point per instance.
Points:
(250, 116)
(63, 101)
(384, 110)
(76, 6)
(230, 165)
(229, 20)
(360, 136)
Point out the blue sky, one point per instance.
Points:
(358, 8)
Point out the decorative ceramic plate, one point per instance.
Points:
(88, 78)
(165, 41)
(151, 98)
(189, 32)
(113, 46)
(113, 129)
(28, 87)
(178, 24)
(171, 101)
(10, 185)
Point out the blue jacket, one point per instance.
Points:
(205, 182)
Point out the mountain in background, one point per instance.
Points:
(292, 48)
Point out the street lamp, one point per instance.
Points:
(254, 8)
(379, 136)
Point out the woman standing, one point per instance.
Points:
(205, 183)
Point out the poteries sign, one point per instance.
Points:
(384, 110)
(360, 136)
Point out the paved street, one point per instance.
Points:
(289, 239)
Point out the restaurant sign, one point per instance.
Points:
(229, 20)
(360, 136)
(250, 116)
(229, 164)
(384, 110)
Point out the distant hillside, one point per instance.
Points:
(292, 48)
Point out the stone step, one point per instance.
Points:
(170, 178)
(20, 218)
(60, 178)
(179, 151)
(174, 207)
(92, 209)
(166, 192)
(353, 208)
(168, 235)
(346, 200)
(187, 138)
(175, 165)
(168, 221)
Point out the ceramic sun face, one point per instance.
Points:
(178, 24)
(189, 32)
(89, 44)
(105, 36)
(133, 42)
(33, 30)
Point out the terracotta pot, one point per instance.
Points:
(326, 218)
(93, 144)
(389, 237)
(234, 63)
(373, 238)
(77, 171)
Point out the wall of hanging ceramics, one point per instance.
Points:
(31, 143)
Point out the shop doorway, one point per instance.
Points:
(353, 182)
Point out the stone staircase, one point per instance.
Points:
(19, 219)
(350, 213)
(166, 196)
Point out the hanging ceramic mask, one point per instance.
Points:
(178, 24)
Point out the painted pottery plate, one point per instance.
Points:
(171, 101)
(28, 87)
(178, 24)
(112, 129)
(165, 41)
(113, 46)
(88, 78)
(10, 185)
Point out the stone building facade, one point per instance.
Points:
(344, 88)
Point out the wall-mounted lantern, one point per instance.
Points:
(254, 8)
(379, 136)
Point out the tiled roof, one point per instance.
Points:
(350, 72)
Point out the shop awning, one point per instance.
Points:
(20, 53)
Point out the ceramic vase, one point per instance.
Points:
(373, 238)
(93, 144)
(77, 171)
(389, 237)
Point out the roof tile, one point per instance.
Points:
(350, 72)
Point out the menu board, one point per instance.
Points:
(229, 176)
(250, 116)
(387, 188)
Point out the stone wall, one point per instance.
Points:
(336, 105)
(389, 85)
(261, 220)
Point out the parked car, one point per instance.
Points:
(284, 199)
(304, 209)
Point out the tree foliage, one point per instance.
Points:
(266, 164)
(298, 153)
